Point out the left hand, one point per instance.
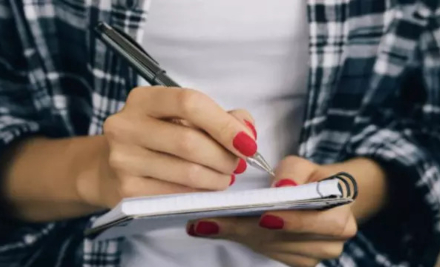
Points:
(296, 238)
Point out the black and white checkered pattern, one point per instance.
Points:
(374, 91)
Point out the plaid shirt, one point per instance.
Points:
(374, 91)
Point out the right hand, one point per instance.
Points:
(149, 154)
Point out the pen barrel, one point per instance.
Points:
(162, 79)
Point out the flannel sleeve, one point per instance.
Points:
(26, 244)
(411, 162)
(402, 133)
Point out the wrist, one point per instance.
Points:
(94, 168)
(372, 184)
(41, 179)
(356, 166)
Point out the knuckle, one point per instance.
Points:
(111, 125)
(227, 164)
(246, 113)
(116, 160)
(350, 229)
(117, 127)
(192, 174)
(242, 113)
(227, 128)
(187, 142)
(190, 100)
(136, 94)
(195, 176)
(340, 223)
(343, 223)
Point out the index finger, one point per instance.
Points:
(198, 109)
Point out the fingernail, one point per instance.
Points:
(191, 230)
(271, 222)
(252, 127)
(245, 144)
(241, 167)
(232, 180)
(207, 228)
(285, 182)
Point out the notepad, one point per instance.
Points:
(135, 215)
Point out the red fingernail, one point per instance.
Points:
(285, 182)
(207, 228)
(232, 180)
(241, 167)
(252, 127)
(245, 144)
(271, 222)
(191, 230)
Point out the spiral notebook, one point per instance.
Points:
(135, 215)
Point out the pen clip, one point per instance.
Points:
(103, 25)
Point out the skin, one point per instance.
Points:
(173, 140)
(308, 237)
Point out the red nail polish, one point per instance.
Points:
(232, 180)
(285, 182)
(245, 144)
(207, 228)
(241, 167)
(252, 127)
(271, 222)
(191, 230)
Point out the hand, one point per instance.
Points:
(296, 238)
(169, 140)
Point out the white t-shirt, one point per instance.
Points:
(250, 54)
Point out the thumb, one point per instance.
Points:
(294, 171)
(246, 118)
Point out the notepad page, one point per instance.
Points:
(190, 202)
(154, 223)
(213, 200)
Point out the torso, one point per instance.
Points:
(243, 54)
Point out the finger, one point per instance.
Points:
(181, 141)
(182, 122)
(294, 260)
(233, 228)
(146, 163)
(294, 170)
(337, 222)
(313, 249)
(246, 230)
(145, 186)
(198, 109)
(241, 166)
(265, 242)
(245, 117)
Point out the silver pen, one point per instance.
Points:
(150, 70)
